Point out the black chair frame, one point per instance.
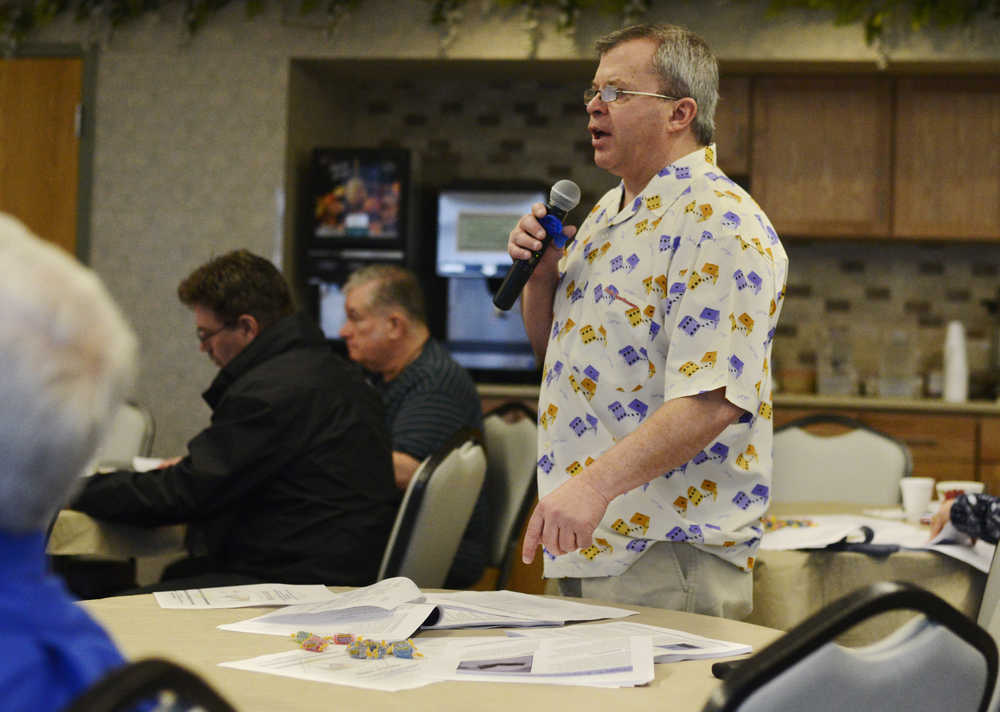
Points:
(123, 688)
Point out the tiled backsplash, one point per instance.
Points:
(870, 291)
(493, 129)
(520, 129)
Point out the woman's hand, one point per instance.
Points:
(941, 517)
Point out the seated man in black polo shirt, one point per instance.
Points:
(427, 395)
(292, 480)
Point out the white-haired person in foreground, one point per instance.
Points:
(67, 358)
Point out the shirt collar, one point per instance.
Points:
(663, 189)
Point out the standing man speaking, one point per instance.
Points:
(655, 327)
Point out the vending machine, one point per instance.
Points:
(359, 209)
(473, 223)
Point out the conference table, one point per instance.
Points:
(76, 534)
(190, 637)
(791, 585)
(788, 585)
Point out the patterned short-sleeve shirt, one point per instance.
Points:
(675, 294)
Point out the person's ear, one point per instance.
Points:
(682, 115)
(248, 326)
(397, 323)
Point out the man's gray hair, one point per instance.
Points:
(67, 359)
(397, 287)
(686, 67)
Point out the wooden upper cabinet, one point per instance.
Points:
(821, 158)
(732, 125)
(947, 168)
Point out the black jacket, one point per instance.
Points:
(292, 482)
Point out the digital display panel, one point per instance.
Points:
(473, 226)
(358, 194)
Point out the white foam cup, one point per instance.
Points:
(917, 493)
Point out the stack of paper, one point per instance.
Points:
(509, 609)
(669, 646)
(617, 662)
(392, 609)
(246, 596)
(818, 531)
(538, 649)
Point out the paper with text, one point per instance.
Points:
(335, 666)
(397, 624)
(257, 594)
(668, 645)
(602, 662)
(469, 609)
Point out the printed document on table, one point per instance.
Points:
(397, 624)
(951, 542)
(604, 662)
(145, 464)
(817, 531)
(669, 645)
(472, 609)
(257, 594)
(335, 666)
(390, 609)
(807, 531)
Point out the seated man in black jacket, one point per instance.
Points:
(292, 481)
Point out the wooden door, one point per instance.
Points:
(821, 154)
(947, 171)
(39, 144)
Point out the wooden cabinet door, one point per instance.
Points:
(989, 454)
(732, 125)
(821, 154)
(784, 415)
(39, 146)
(947, 166)
(942, 446)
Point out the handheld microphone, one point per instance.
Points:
(564, 196)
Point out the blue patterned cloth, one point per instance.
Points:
(977, 515)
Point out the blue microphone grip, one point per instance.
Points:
(521, 271)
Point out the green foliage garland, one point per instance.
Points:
(19, 19)
(875, 15)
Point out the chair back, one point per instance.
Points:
(855, 464)
(131, 433)
(937, 661)
(510, 433)
(989, 612)
(149, 679)
(435, 511)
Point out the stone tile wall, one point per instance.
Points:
(857, 293)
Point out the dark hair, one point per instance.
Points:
(236, 283)
(397, 287)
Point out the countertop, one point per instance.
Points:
(807, 400)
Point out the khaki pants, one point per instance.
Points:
(674, 576)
